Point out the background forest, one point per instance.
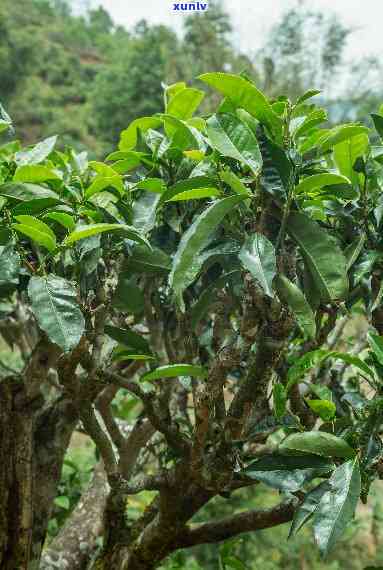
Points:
(86, 78)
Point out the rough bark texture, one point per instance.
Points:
(16, 477)
(32, 449)
(75, 544)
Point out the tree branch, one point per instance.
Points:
(72, 548)
(229, 527)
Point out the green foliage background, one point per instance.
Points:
(87, 78)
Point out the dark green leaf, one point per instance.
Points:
(174, 370)
(287, 476)
(308, 507)
(26, 192)
(317, 442)
(322, 255)
(258, 256)
(54, 304)
(337, 505)
(279, 399)
(128, 338)
(9, 269)
(294, 298)
(144, 260)
(194, 240)
(144, 212)
(128, 296)
(378, 123)
(376, 343)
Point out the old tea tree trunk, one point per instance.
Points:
(179, 337)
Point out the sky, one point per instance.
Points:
(252, 19)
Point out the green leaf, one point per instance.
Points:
(62, 502)
(183, 137)
(245, 95)
(25, 192)
(54, 304)
(128, 138)
(131, 161)
(9, 269)
(174, 370)
(277, 168)
(312, 183)
(128, 338)
(145, 211)
(99, 183)
(279, 399)
(282, 462)
(37, 154)
(322, 256)
(183, 104)
(325, 409)
(308, 507)
(194, 240)
(61, 218)
(353, 251)
(196, 194)
(303, 364)
(258, 256)
(376, 343)
(184, 188)
(310, 93)
(128, 297)
(34, 173)
(319, 443)
(172, 90)
(232, 138)
(347, 152)
(36, 223)
(306, 124)
(353, 360)
(143, 260)
(156, 185)
(287, 473)
(4, 125)
(234, 182)
(315, 357)
(378, 123)
(207, 297)
(294, 298)
(120, 353)
(337, 505)
(365, 265)
(37, 230)
(93, 229)
(340, 134)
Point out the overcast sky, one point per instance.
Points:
(253, 18)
